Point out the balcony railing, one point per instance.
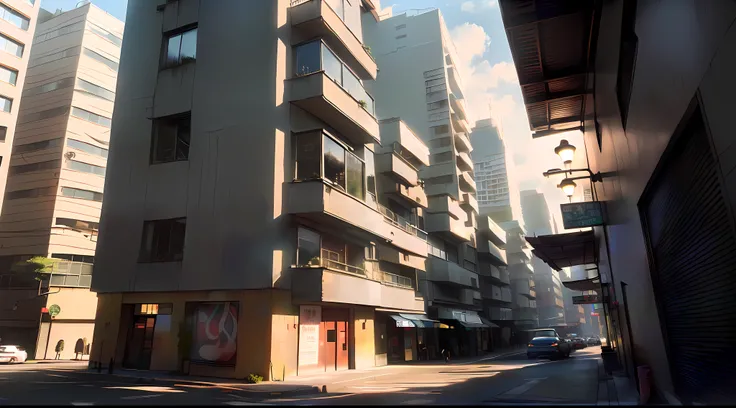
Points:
(333, 260)
(316, 56)
(69, 273)
(397, 280)
(401, 222)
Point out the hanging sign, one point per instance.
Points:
(581, 215)
(586, 299)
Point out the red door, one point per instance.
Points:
(342, 345)
(330, 346)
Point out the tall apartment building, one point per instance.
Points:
(537, 220)
(419, 83)
(242, 230)
(521, 275)
(56, 175)
(495, 283)
(495, 194)
(18, 19)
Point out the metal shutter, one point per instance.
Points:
(692, 249)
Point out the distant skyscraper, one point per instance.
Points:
(491, 173)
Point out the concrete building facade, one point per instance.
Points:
(419, 82)
(537, 220)
(243, 229)
(656, 116)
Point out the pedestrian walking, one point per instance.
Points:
(446, 354)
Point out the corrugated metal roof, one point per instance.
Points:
(550, 43)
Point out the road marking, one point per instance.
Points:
(134, 397)
(58, 375)
(83, 403)
(524, 387)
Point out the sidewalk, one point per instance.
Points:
(616, 389)
(50, 361)
(293, 386)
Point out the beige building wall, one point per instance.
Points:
(54, 146)
(14, 37)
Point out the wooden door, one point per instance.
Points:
(342, 345)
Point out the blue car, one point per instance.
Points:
(550, 347)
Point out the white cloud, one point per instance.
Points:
(467, 6)
(492, 3)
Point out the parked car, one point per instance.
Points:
(594, 341)
(578, 343)
(547, 343)
(12, 354)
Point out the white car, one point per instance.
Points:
(13, 354)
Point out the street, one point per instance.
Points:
(507, 380)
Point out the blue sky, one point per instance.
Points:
(488, 75)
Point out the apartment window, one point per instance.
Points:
(180, 48)
(82, 194)
(96, 90)
(31, 193)
(87, 148)
(627, 59)
(69, 52)
(400, 26)
(91, 117)
(437, 105)
(440, 129)
(8, 75)
(436, 247)
(170, 139)
(315, 56)
(370, 174)
(452, 254)
(113, 65)
(36, 146)
(78, 224)
(163, 240)
(51, 86)
(11, 46)
(398, 37)
(59, 32)
(439, 180)
(6, 104)
(105, 34)
(85, 167)
(317, 155)
(3, 133)
(442, 157)
(308, 247)
(13, 17)
(40, 166)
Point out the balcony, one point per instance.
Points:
(441, 189)
(488, 251)
(326, 280)
(458, 106)
(500, 313)
(409, 196)
(462, 142)
(325, 88)
(402, 233)
(440, 270)
(466, 182)
(454, 81)
(438, 170)
(316, 19)
(497, 294)
(391, 254)
(396, 167)
(402, 140)
(464, 162)
(445, 204)
(447, 226)
(70, 274)
(459, 124)
(525, 313)
(469, 202)
(490, 230)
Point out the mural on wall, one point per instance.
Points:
(215, 333)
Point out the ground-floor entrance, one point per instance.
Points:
(139, 343)
(324, 335)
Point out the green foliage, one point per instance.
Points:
(362, 103)
(59, 346)
(367, 49)
(253, 379)
(38, 265)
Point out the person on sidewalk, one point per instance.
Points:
(446, 354)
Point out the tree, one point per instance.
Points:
(59, 348)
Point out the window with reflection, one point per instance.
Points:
(180, 48)
(370, 174)
(317, 155)
(308, 247)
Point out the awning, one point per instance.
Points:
(584, 285)
(471, 325)
(489, 323)
(402, 322)
(563, 250)
(420, 320)
(466, 318)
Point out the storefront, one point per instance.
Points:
(466, 335)
(323, 339)
(406, 337)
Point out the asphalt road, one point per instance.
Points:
(509, 380)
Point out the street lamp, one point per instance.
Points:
(566, 151)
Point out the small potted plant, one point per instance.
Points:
(362, 103)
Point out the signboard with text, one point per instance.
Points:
(581, 215)
(310, 318)
(586, 299)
